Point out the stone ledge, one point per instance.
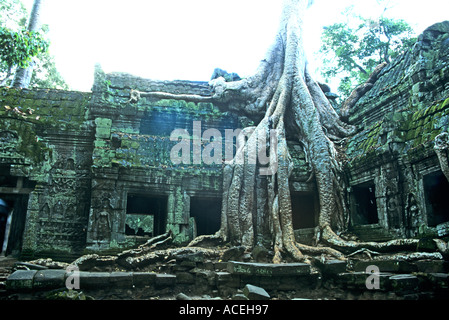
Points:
(21, 280)
(269, 270)
(25, 280)
(45, 279)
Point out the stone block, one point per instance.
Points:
(165, 280)
(255, 293)
(223, 277)
(404, 283)
(440, 281)
(443, 229)
(191, 257)
(21, 280)
(388, 266)
(334, 267)
(432, 266)
(358, 280)
(239, 296)
(221, 266)
(49, 279)
(269, 270)
(121, 279)
(94, 280)
(185, 278)
(142, 279)
(103, 128)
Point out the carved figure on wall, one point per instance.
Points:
(58, 210)
(413, 218)
(45, 211)
(103, 227)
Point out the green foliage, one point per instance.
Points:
(12, 14)
(352, 52)
(18, 47)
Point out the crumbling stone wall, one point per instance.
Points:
(399, 119)
(132, 153)
(48, 141)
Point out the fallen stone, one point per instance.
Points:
(165, 280)
(49, 279)
(94, 280)
(404, 283)
(268, 269)
(190, 257)
(333, 267)
(182, 296)
(358, 280)
(142, 279)
(239, 296)
(388, 266)
(432, 266)
(185, 278)
(121, 279)
(255, 293)
(21, 280)
(440, 281)
(443, 229)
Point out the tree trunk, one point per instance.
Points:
(283, 87)
(22, 78)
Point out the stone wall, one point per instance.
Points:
(398, 120)
(131, 155)
(36, 126)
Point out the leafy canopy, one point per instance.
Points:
(19, 47)
(353, 52)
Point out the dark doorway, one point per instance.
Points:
(303, 211)
(155, 206)
(364, 208)
(17, 209)
(436, 189)
(207, 214)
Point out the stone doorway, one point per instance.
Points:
(207, 214)
(364, 204)
(436, 190)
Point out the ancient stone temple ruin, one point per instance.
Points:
(92, 172)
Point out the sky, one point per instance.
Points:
(188, 39)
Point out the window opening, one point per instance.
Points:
(436, 189)
(146, 215)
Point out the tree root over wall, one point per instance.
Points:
(289, 102)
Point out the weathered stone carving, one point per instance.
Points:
(441, 149)
(8, 141)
